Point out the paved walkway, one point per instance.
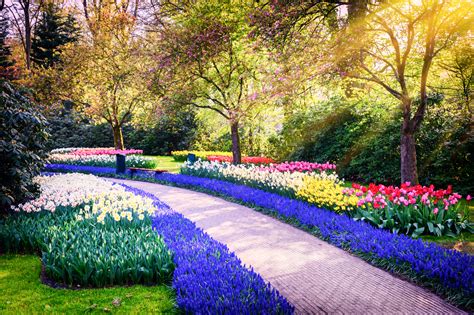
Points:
(316, 277)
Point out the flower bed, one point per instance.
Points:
(95, 151)
(90, 233)
(105, 151)
(101, 160)
(181, 156)
(216, 156)
(299, 166)
(67, 168)
(410, 210)
(448, 272)
(284, 183)
(245, 159)
(86, 227)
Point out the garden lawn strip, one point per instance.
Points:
(23, 293)
(209, 279)
(312, 274)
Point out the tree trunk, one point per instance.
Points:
(357, 9)
(26, 12)
(118, 137)
(409, 172)
(234, 130)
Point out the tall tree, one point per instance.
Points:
(6, 62)
(25, 14)
(111, 69)
(52, 32)
(392, 44)
(99, 15)
(107, 66)
(282, 21)
(395, 49)
(205, 60)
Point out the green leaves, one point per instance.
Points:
(87, 253)
(101, 256)
(415, 221)
(22, 139)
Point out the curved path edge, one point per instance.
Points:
(314, 276)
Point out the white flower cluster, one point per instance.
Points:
(249, 174)
(97, 197)
(119, 204)
(98, 160)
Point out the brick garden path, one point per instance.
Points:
(316, 277)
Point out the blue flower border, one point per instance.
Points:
(209, 279)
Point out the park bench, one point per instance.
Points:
(134, 170)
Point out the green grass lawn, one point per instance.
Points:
(166, 163)
(463, 242)
(22, 292)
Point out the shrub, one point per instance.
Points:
(22, 142)
(364, 140)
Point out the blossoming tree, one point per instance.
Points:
(205, 60)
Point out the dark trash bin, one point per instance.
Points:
(120, 164)
(191, 158)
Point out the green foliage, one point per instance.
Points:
(169, 132)
(5, 51)
(31, 232)
(446, 146)
(6, 61)
(379, 160)
(88, 253)
(52, 32)
(102, 255)
(22, 142)
(69, 129)
(365, 143)
(415, 221)
(24, 293)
